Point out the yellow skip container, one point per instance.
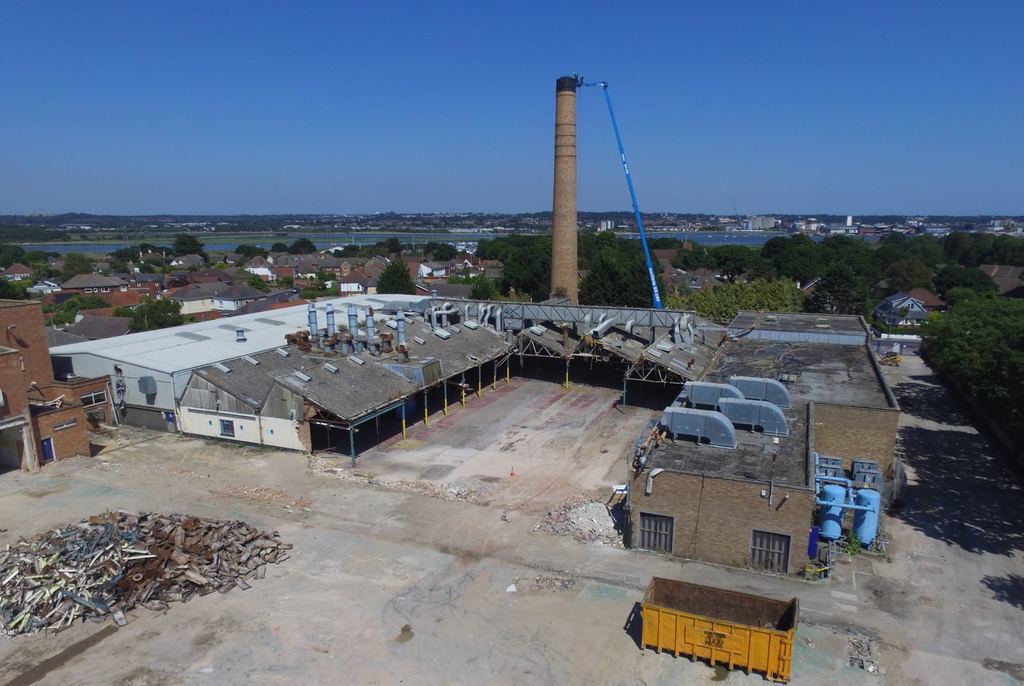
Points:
(738, 630)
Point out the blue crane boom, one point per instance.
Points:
(632, 193)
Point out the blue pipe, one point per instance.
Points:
(845, 506)
(632, 195)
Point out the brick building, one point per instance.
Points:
(743, 494)
(41, 419)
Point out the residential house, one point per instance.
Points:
(901, 309)
(188, 261)
(210, 276)
(93, 283)
(700, 279)
(261, 267)
(44, 287)
(1009, 279)
(17, 272)
(930, 301)
(235, 297)
(94, 327)
(445, 290)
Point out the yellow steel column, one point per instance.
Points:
(494, 381)
(507, 362)
(446, 398)
(425, 408)
(479, 380)
(403, 420)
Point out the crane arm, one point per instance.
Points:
(632, 193)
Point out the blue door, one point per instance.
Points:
(47, 450)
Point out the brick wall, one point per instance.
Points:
(715, 518)
(12, 383)
(856, 433)
(73, 440)
(23, 330)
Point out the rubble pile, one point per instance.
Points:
(110, 563)
(542, 584)
(469, 490)
(586, 521)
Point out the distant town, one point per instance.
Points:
(46, 228)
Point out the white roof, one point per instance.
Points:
(181, 348)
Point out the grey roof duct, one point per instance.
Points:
(707, 393)
(755, 413)
(757, 388)
(714, 426)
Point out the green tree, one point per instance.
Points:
(838, 292)
(959, 294)
(256, 282)
(187, 244)
(909, 273)
(483, 289)
(76, 263)
(797, 257)
(955, 276)
(302, 246)
(395, 279)
(619, 278)
(440, 252)
(9, 291)
(394, 246)
(249, 251)
(721, 303)
(732, 261)
(67, 311)
(9, 254)
(979, 345)
(279, 247)
(156, 314)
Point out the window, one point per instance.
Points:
(94, 398)
(656, 532)
(66, 425)
(769, 551)
(227, 428)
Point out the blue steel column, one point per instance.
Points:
(352, 443)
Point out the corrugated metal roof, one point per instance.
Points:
(181, 349)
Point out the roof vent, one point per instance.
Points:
(757, 388)
(755, 413)
(223, 367)
(442, 334)
(473, 357)
(455, 329)
(419, 340)
(654, 353)
(391, 324)
(281, 351)
(470, 324)
(356, 360)
(251, 360)
(822, 326)
(714, 426)
(537, 330)
(240, 335)
(664, 346)
(302, 376)
(330, 367)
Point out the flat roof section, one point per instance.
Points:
(189, 346)
(833, 329)
(838, 374)
(751, 460)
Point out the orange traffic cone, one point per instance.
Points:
(512, 474)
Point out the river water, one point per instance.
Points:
(324, 241)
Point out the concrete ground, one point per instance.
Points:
(388, 585)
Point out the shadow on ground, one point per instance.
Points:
(633, 626)
(964, 495)
(931, 402)
(1007, 589)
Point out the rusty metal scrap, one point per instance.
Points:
(108, 564)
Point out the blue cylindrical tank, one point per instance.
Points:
(832, 515)
(865, 522)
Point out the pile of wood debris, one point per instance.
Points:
(108, 564)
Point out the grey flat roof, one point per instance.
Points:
(839, 374)
(798, 322)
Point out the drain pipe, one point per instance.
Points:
(649, 486)
(370, 331)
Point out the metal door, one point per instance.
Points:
(47, 450)
(656, 532)
(770, 551)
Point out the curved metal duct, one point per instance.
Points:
(714, 426)
(755, 413)
(707, 393)
(758, 388)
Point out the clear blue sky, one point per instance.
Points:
(261, 107)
